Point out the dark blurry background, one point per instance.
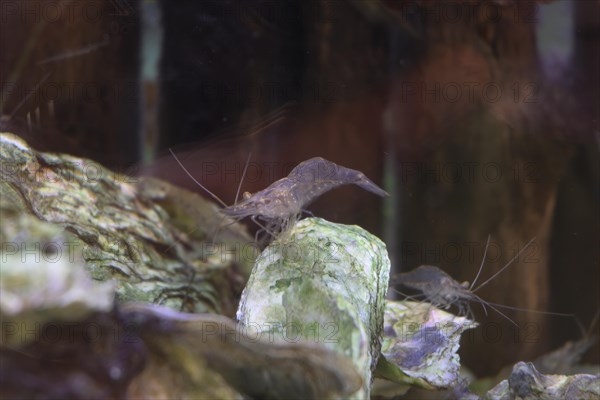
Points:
(479, 117)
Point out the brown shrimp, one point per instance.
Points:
(441, 290)
(280, 205)
(284, 200)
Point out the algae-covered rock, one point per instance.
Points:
(148, 236)
(42, 277)
(525, 382)
(420, 345)
(54, 315)
(323, 283)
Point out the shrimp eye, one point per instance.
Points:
(246, 195)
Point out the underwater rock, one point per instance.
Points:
(91, 358)
(564, 360)
(62, 338)
(42, 277)
(525, 382)
(147, 351)
(323, 283)
(257, 365)
(149, 236)
(420, 345)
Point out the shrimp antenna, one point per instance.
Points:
(558, 314)
(482, 262)
(593, 323)
(503, 268)
(20, 104)
(214, 196)
(501, 313)
(237, 194)
(532, 311)
(268, 120)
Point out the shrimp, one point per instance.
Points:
(441, 290)
(284, 200)
(276, 208)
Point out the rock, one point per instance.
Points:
(525, 382)
(150, 237)
(257, 365)
(43, 277)
(323, 283)
(420, 345)
(565, 359)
